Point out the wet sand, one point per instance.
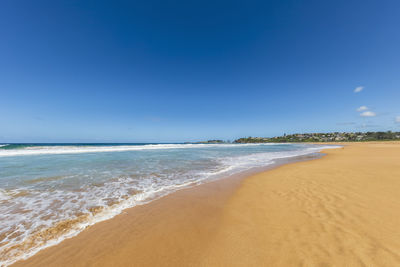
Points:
(340, 210)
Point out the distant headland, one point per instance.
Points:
(313, 137)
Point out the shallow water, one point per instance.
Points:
(51, 192)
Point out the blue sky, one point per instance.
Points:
(169, 71)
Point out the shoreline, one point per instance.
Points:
(232, 179)
(69, 228)
(211, 224)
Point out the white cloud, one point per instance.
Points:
(368, 114)
(358, 89)
(397, 119)
(362, 108)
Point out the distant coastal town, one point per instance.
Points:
(315, 137)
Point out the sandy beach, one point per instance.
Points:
(340, 210)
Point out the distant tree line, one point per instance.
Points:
(324, 137)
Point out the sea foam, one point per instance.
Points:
(45, 150)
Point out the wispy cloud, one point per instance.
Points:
(358, 89)
(397, 119)
(368, 114)
(362, 108)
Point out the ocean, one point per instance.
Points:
(49, 192)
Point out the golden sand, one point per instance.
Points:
(341, 210)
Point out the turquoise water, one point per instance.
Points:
(49, 192)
